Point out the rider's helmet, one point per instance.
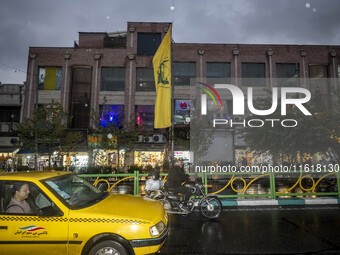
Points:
(155, 175)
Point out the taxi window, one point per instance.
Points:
(74, 192)
(22, 197)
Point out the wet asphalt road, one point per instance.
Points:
(307, 230)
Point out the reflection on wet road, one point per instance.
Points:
(266, 231)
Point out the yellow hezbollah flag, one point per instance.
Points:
(50, 78)
(162, 72)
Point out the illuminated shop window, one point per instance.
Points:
(245, 157)
(151, 158)
(145, 116)
(111, 116)
(187, 158)
(76, 161)
(182, 111)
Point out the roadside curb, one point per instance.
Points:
(278, 202)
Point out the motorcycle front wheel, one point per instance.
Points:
(211, 207)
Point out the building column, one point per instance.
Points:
(65, 87)
(235, 53)
(96, 58)
(333, 55)
(132, 30)
(22, 101)
(95, 92)
(131, 57)
(201, 53)
(30, 85)
(303, 54)
(270, 54)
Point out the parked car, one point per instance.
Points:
(68, 215)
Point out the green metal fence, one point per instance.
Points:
(240, 184)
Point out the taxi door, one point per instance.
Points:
(36, 233)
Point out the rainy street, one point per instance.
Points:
(288, 230)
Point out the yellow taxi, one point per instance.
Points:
(61, 213)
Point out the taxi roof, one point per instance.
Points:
(34, 175)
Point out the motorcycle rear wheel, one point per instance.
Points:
(210, 207)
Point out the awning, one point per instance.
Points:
(8, 149)
(25, 152)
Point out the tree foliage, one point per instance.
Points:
(46, 131)
(316, 133)
(115, 131)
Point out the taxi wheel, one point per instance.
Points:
(108, 247)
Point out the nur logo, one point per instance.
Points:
(239, 99)
(204, 97)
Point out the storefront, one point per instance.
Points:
(76, 161)
(145, 158)
(6, 158)
(110, 158)
(245, 157)
(186, 157)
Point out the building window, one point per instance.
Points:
(116, 41)
(145, 116)
(287, 74)
(218, 70)
(318, 75)
(9, 113)
(318, 71)
(111, 116)
(113, 79)
(253, 74)
(145, 79)
(80, 97)
(148, 43)
(49, 78)
(183, 71)
(182, 111)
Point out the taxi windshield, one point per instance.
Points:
(74, 192)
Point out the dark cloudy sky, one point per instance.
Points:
(27, 23)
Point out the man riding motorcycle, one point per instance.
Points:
(175, 182)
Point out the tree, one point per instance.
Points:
(46, 132)
(316, 133)
(113, 131)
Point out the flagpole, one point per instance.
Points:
(172, 105)
(164, 105)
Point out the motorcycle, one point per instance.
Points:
(210, 206)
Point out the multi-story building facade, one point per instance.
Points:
(11, 107)
(116, 69)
